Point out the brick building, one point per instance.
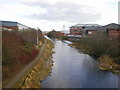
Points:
(94, 29)
(112, 29)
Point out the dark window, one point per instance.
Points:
(83, 27)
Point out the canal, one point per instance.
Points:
(72, 69)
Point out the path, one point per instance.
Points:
(23, 71)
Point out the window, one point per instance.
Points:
(89, 32)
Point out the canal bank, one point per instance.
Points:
(72, 69)
(106, 62)
(40, 70)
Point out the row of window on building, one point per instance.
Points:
(10, 25)
(93, 29)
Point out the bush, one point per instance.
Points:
(18, 49)
(98, 46)
(54, 34)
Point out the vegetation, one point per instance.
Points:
(53, 34)
(39, 71)
(102, 48)
(18, 49)
(56, 34)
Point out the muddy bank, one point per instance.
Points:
(39, 71)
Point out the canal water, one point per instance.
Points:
(72, 69)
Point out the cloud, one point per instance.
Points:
(49, 14)
(64, 11)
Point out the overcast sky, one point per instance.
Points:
(53, 14)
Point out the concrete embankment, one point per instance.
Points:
(40, 70)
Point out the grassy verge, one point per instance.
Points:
(39, 71)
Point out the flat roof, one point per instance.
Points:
(8, 21)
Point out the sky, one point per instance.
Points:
(54, 14)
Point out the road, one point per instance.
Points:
(23, 71)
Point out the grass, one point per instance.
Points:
(39, 71)
(18, 49)
(21, 80)
(104, 49)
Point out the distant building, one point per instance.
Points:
(112, 29)
(90, 31)
(78, 28)
(13, 25)
(2, 28)
(66, 32)
(93, 30)
(61, 34)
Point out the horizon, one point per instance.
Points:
(63, 25)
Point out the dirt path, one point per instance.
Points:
(23, 71)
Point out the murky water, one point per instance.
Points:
(72, 69)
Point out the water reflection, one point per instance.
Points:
(72, 69)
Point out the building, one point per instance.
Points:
(2, 28)
(66, 32)
(78, 28)
(112, 29)
(9, 25)
(93, 30)
(13, 25)
(90, 31)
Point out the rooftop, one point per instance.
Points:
(92, 28)
(8, 21)
(85, 25)
(112, 26)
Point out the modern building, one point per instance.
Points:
(78, 28)
(112, 29)
(13, 25)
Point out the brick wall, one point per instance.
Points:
(91, 32)
(75, 31)
(113, 32)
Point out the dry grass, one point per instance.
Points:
(39, 71)
(104, 49)
(18, 50)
